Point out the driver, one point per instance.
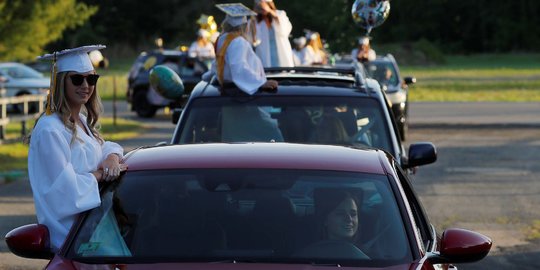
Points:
(337, 211)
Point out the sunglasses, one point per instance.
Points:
(77, 79)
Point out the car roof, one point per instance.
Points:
(306, 81)
(257, 155)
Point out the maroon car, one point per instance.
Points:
(256, 206)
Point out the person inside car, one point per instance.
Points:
(336, 213)
(68, 156)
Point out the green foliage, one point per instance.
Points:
(485, 77)
(26, 26)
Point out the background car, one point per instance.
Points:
(318, 105)
(385, 70)
(253, 206)
(17, 79)
(144, 100)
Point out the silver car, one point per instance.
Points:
(385, 70)
(17, 79)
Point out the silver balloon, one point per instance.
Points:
(370, 13)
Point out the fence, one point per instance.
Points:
(21, 109)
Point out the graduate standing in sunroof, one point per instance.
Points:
(68, 156)
(236, 63)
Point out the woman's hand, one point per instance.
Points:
(269, 86)
(111, 168)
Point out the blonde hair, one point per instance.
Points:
(92, 109)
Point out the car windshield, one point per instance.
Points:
(382, 71)
(20, 72)
(245, 215)
(296, 119)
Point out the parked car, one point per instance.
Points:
(255, 206)
(17, 79)
(385, 70)
(144, 100)
(318, 105)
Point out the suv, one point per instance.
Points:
(144, 100)
(385, 70)
(311, 105)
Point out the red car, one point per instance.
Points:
(256, 206)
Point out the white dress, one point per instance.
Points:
(282, 28)
(60, 174)
(201, 52)
(242, 66)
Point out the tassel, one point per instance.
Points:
(49, 110)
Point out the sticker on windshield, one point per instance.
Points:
(88, 247)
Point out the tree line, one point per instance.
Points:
(453, 26)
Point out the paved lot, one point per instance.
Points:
(485, 179)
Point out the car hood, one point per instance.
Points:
(220, 266)
(28, 83)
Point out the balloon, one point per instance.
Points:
(370, 13)
(166, 82)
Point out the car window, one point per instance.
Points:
(190, 67)
(297, 119)
(423, 226)
(20, 72)
(256, 215)
(384, 72)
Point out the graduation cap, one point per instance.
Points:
(236, 13)
(75, 59)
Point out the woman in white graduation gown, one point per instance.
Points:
(67, 156)
(237, 66)
(272, 35)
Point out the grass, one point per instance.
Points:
(512, 77)
(14, 156)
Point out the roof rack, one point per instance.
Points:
(312, 69)
(357, 72)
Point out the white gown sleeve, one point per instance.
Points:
(246, 69)
(64, 191)
(285, 26)
(111, 148)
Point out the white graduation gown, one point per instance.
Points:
(60, 174)
(203, 52)
(282, 31)
(242, 66)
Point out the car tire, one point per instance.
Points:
(141, 105)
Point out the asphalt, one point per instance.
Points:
(474, 114)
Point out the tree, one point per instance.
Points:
(26, 26)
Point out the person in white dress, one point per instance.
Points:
(299, 52)
(314, 51)
(202, 48)
(238, 67)
(364, 52)
(67, 155)
(273, 28)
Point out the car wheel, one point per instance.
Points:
(142, 107)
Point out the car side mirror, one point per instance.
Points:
(409, 80)
(421, 154)
(176, 115)
(30, 241)
(461, 246)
